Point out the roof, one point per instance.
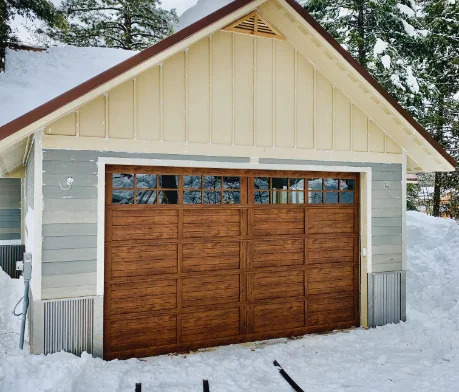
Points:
(80, 90)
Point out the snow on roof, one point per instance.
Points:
(200, 10)
(33, 78)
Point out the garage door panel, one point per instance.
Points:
(213, 223)
(332, 308)
(134, 297)
(343, 283)
(153, 260)
(143, 332)
(330, 214)
(277, 253)
(182, 276)
(324, 318)
(325, 221)
(330, 303)
(210, 324)
(214, 256)
(276, 316)
(212, 216)
(130, 232)
(275, 285)
(279, 221)
(210, 290)
(158, 252)
(141, 219)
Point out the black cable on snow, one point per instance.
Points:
(287, 378)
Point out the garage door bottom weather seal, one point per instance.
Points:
(287, 378)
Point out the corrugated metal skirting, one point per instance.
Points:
(68, 326)
(386, 298)
(9, 254)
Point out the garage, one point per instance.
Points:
(197, 258)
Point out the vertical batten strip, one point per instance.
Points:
(233, 103)
(274, 95)
(314, 107)
(350, 125)
(333, 117)
(134, 108)
(254, 90)
(210, 87)
(187, 117)
(295, 99)
(161, 102)
(77, 123)
(106, 117)
(368, 132)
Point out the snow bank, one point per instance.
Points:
(419, 355)
(11, 290)
(433, 271)
(33, 78)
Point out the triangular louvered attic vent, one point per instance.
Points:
(254, 24)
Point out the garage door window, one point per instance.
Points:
(147, 188)
(211, 190)
(278, 190)
(331, 191)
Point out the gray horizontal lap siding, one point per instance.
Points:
(70, 217)
(10, 208)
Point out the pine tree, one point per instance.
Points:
(441, 109)
(41, 9)
(412, 49)
(383, 36)
(126, 24)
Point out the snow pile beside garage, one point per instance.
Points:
(11, 291)
(33, 78)
(419, 355)
(433, 271)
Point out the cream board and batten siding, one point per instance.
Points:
(231, 89)
(70, 217)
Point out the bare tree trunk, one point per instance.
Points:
(128, 30)
(361, 30)
(4, 30)
(440, 120)
(437, 195)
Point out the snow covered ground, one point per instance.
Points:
(419, 355)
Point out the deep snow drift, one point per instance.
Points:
(419, 355)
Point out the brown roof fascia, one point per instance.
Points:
(41, 111)
(76, 92)
(366, 75)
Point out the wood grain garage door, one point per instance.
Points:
(197, 258)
